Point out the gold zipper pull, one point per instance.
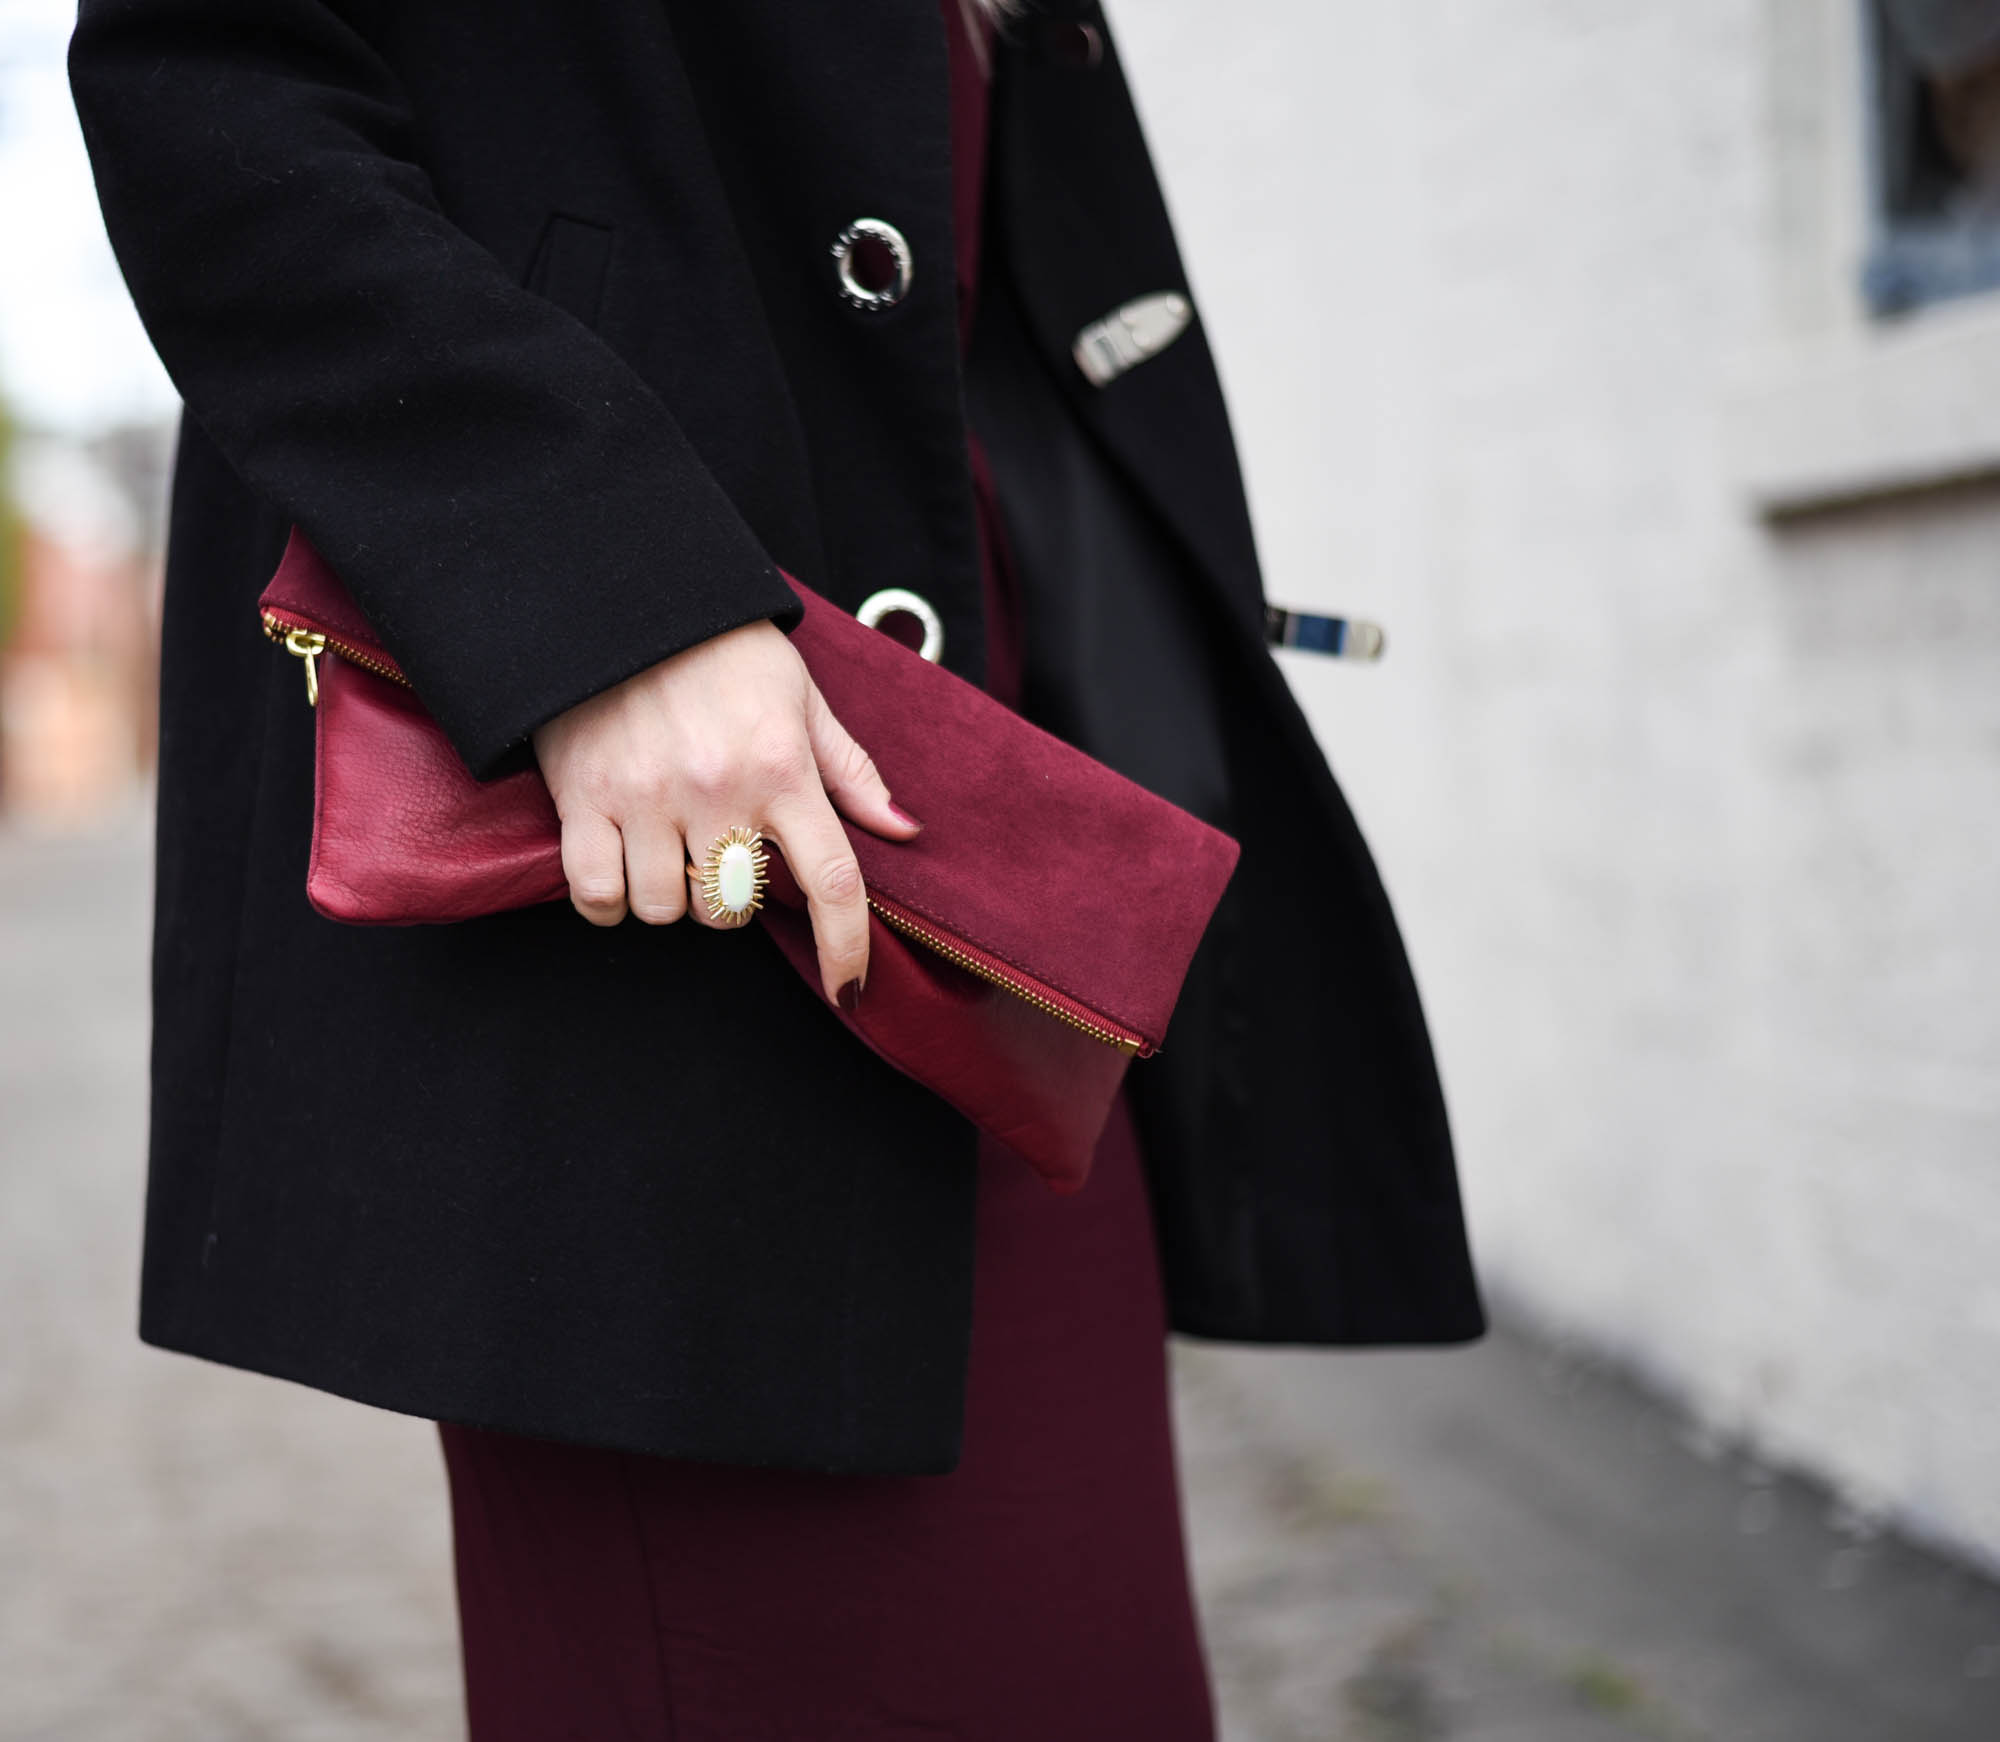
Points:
(308, 645)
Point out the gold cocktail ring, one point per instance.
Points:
(732, 877)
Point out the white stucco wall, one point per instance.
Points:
(1692, 820)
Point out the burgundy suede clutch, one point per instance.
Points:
(1022, 949)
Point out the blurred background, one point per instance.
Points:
(1639, 367)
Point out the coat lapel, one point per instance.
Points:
(1082, 228)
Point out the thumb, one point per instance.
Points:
(849, 775)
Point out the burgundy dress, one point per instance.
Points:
(1037, 1594)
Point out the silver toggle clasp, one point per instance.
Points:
(1128, 335)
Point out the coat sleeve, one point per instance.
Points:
(516, 511)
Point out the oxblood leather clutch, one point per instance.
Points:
(1022, 949)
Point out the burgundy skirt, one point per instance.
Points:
(1038, 1592)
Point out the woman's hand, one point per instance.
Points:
(732, 730)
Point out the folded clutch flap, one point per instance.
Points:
(1035, 855)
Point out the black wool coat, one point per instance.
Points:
(527, 315)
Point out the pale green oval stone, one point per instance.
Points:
(736, 877)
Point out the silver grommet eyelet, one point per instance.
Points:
(849, 244)
(891, 600)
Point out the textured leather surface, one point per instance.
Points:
(1031, 850)
(402, 832)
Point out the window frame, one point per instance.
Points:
(1912, 261)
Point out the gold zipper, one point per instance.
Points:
(988, 968)
(308, 644)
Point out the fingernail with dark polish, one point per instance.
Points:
(903, 816)
(850, 995)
